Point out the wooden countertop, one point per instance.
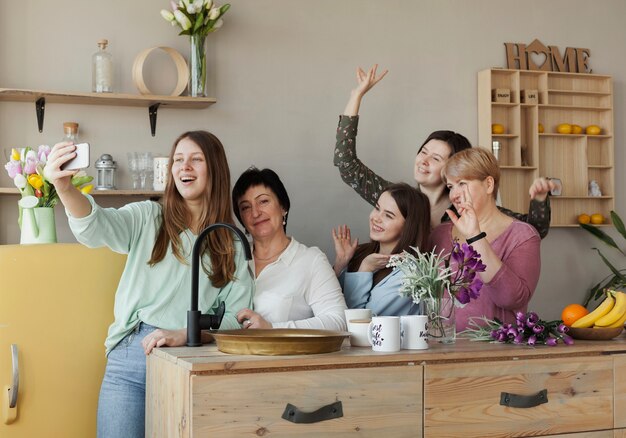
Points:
(208, 360)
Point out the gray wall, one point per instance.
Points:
(282, 70)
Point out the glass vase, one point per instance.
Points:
(197, 66)
(441, 319)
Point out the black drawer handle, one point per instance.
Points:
(523, 401)
(328, 412)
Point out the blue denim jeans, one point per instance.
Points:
(121, 406)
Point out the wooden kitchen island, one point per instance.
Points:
(469, 389)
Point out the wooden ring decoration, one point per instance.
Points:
(181, 67)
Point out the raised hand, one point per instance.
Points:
(540, 188)
(60, 154)
(344, 247)
(467, 221)
(364, 82)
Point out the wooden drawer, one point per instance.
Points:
(384, 401)
(463, 399)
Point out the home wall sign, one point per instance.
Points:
(538, 56)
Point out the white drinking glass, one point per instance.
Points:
(133, 168)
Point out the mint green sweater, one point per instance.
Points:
(158, 295)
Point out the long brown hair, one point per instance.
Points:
(216, 208)
(415, 209)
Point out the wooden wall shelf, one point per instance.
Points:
(525, 154)
(152, 102)
(142, 193)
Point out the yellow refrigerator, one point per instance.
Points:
(56, 303)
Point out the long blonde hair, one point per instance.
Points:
(216, 208)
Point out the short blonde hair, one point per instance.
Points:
(473, 164)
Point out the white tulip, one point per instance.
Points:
(218, 24)
(214, 13)
(167, 15)
(198, 4)
(182, 20)
(19, 181)
(208, 5)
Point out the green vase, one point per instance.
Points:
(38, 225)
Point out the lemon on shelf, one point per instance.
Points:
(597, 219)
(564, 128)
(540, 128)
(577, 129)
(584, 218)
(593, 130)
(497, 128)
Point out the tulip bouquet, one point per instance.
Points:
(25, 168)
(199, 17)
(527, 330)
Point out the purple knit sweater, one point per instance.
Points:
(510, 290)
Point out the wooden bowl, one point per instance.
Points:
(595, 334)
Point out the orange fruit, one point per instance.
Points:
(593, 130)
(540, 128)
(572, 313)
(577, 129)
(497, 128)
(584, 219)
(597, 219)
(564, 128)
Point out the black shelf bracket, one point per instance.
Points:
(40, 108)
(152, 113)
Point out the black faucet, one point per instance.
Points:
(195, 320)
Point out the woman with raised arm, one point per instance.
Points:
(153, 294)
(430, 158)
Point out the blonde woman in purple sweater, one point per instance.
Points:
(509, 248)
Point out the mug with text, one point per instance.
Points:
(384, 333)
(414, 332)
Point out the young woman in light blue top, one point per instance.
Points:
(154, 292)
(400, 220)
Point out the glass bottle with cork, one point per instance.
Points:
(70, 132)
(102, 69)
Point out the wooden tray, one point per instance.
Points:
(278, 342)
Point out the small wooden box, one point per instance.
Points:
(501, 95)
(530, 96)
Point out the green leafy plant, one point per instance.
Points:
(617, 278)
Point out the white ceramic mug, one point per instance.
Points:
(358, 329)
(414, 332)
(384, 333)
(357, 314)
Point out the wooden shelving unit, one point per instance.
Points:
(526, 154)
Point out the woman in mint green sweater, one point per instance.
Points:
(153, 294)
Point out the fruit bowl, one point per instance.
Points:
(595, 334)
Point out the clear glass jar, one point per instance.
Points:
(70, 132)
(102, 69)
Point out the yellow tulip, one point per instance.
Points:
(86, 189)
(15, 155)
(35, 180)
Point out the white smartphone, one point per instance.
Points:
(81, 160)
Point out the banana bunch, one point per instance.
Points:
(610, 313)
